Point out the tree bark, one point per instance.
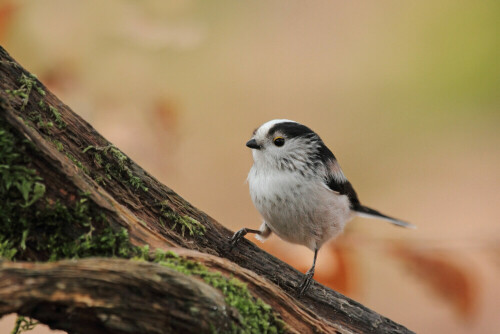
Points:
(112, 296)
(123, 296)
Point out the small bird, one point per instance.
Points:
(298, 187)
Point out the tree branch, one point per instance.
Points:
(113, 296)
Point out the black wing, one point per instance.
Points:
(342, 186)
(345, 188)
(336, 180)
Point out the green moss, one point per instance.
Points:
(255, 315)
(59, 146)
(99, 179)
(11, 63)
(20, 92)
(116, 165)
(28, 83)
(57, 117)
(45, 126)
(23, 324)
(31, 222)
(185, 222)
(7, 248)
(78, 163)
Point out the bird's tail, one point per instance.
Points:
(364, 211)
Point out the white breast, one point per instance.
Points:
(298, 209)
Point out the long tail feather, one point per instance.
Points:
(364, 211)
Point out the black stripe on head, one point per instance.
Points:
(325, 153)
(292, 130)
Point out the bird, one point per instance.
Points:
(300, 190)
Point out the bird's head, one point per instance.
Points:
(285, 144)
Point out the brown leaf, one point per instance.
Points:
(447, 278)
(166, 114)
(62, 77)
(343, 277)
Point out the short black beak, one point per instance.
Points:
(253, 144)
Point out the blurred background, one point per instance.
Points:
(406, 94)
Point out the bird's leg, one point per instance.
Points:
(240, 234)
(306, 281)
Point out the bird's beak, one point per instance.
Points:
(253, 144)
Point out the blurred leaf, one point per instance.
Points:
(343, 277)
(166, 114)
(62, 76)
(439, 270)
(7, 10)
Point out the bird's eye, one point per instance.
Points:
(279, 141)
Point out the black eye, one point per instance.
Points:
(279, 141)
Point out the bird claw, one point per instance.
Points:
(236, 238)
(306, 282)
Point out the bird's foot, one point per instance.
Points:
(237, 237)
(306, 282)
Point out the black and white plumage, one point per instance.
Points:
(298, 187)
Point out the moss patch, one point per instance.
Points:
(75, 160)
(115, 164)
(57, 117)
(59, 146)
(255, 315)
(184, 222)
(33, 223)
(23, 324)
(45, 126)
(28, 83)
(111, 159)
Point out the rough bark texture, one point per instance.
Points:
(71, 157)
(112, 296)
